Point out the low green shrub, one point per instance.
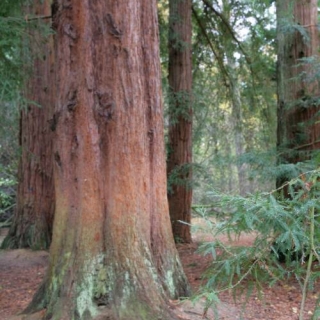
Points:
(285, 224)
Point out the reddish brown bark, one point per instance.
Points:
(180, 123)
(298, 109)
(32, 223)
(112, 252)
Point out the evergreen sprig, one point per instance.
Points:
(285, 225)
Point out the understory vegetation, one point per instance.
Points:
(285, 225)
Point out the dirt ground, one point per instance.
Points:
(21, 272)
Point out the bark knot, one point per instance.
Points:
(70, 30)
(57, 159)
(72, 100)
(113, 28)
(151, 134)
(54, 121)
(106, 104)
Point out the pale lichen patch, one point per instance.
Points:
(170, 282)
(87, 287)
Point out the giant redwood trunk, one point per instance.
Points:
(180, 123)
(298, 91)
(33, 217)
(112, 255)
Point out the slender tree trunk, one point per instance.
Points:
(180, 126)
(298, 108)
(112, 254)
(235, 100)
(32, 223)
(237, 126)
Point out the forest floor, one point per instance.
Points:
(21, 272)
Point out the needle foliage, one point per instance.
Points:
(285, 226)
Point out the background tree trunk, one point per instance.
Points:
(32, 222)
(180, 122)
(235, 100)
(298, 91)
(112, 251)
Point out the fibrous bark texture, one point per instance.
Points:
(112, 254)
(298, 89)
(180, 123)
(33, 217)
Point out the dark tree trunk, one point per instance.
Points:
(298, 94)
(32, 222)
(180, 122)
(112, 254)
